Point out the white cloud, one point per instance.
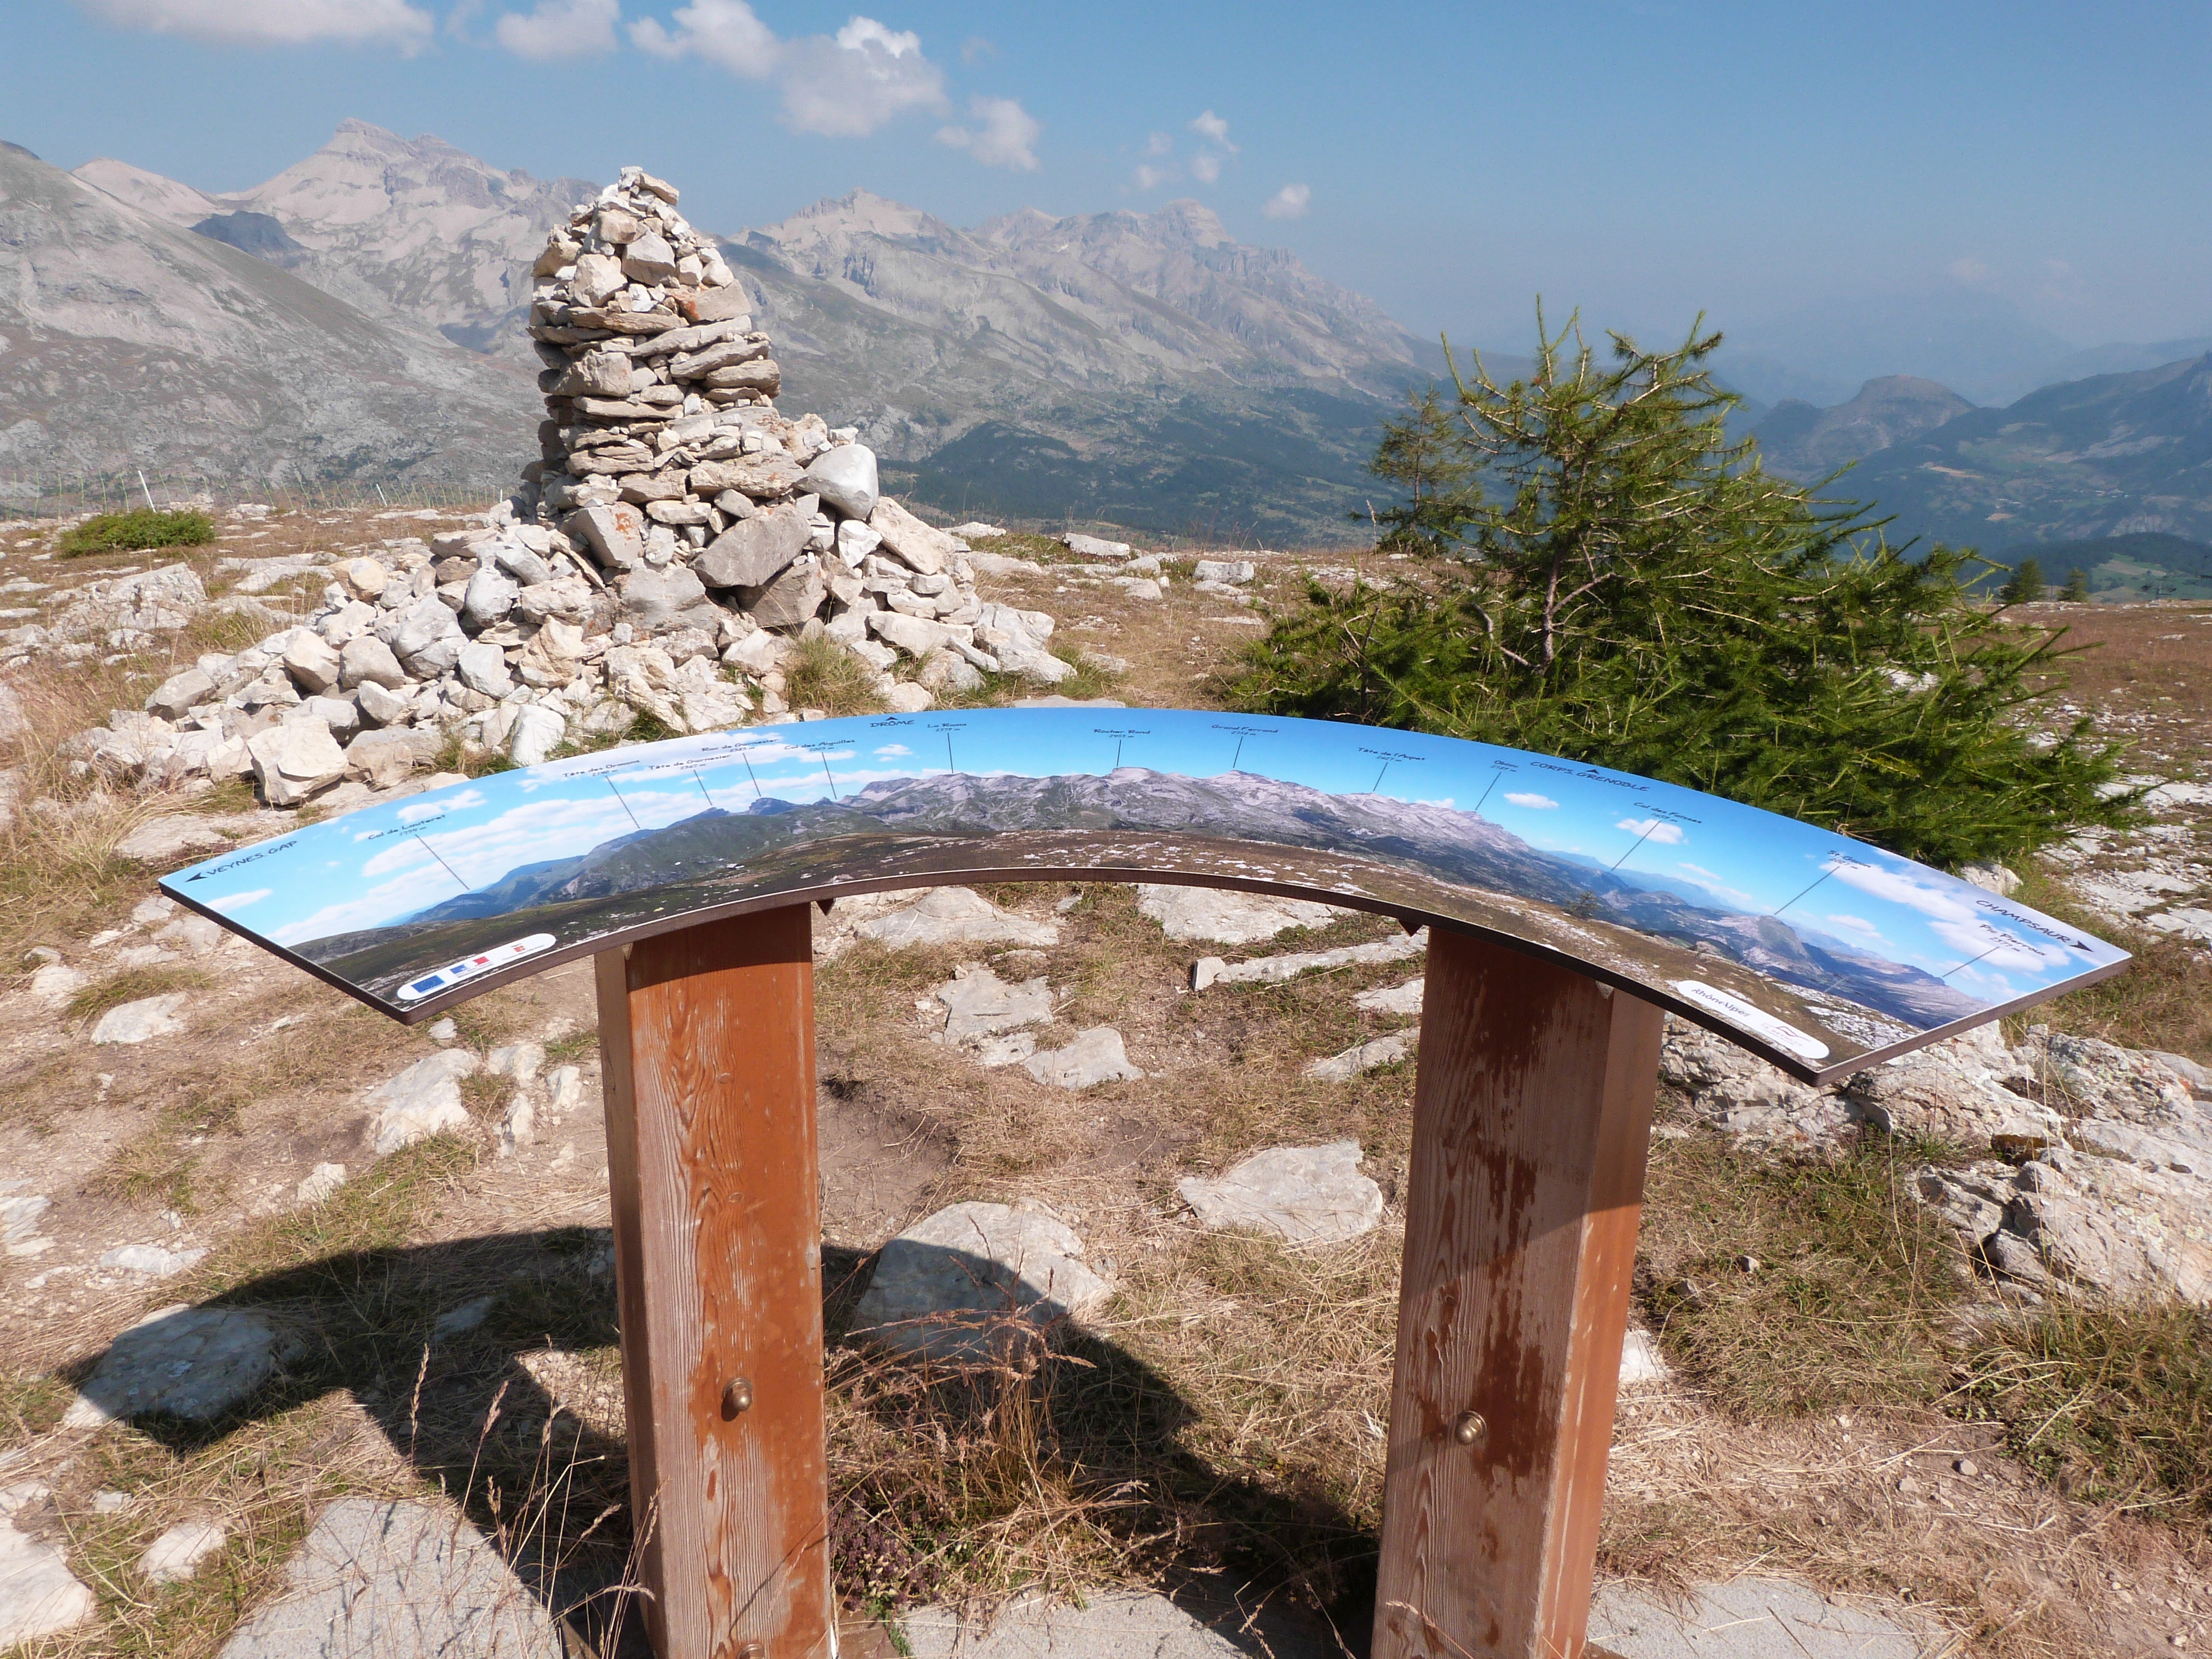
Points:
(273, 22)
(723, 32)
(240, 901)
(1205, 166)
(1701, 877)
(1290, 201)
(1212, 128)
(1911, 891)
(893, 751)
(1534, 803)
(1859, 925)
(1657, 831)
(1995, 950)
(1002, 138)
(847, 87)
(561, 29)
(1149, 177)
(1158, 144)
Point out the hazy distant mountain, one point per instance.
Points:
(1802, 442)
(1456, 847)
(2107, 456)
(1142, 368)
(1975, 342)
(128, 340)
(410, 227)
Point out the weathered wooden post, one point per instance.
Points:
(1532, 1107)
(707, 1042)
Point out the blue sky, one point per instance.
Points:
(1646, 161)
(378, 866)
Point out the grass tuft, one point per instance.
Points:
(2111, 1402)
(1847, 1304)
(141, 528)
(820, 673)
(132, 985)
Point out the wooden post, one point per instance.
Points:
(707, 1039)
(1531, 1113)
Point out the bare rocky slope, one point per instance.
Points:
(128, 342)
(1143, 369)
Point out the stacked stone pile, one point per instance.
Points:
(663, 457)
(675, 539)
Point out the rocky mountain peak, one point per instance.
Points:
(149, 193)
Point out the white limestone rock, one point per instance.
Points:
(955, 915)
(538, 731)
(150, 1261)
(1226, 917)
(40, 1596)
(296, 760)
(1303, 1194)
(137, 1022)
(1095, 1056)
(1392, 999)
(1366, 1057)
(182, 1360)
(1094, 547)
(170, 836)
(422, 1101)
(845, 478)
(180, 1551)
(964, 1283)
(978, 1003)
(378, 1576)
(320, 1183)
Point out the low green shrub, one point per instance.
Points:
(142, 527)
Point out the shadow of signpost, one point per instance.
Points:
(489, 1365)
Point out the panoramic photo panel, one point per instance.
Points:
(1816, 952)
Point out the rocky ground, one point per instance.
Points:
(297, 1293)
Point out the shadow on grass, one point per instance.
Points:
(1060, 1467)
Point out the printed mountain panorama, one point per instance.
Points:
(719, 855)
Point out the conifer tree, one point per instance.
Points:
(2076, 591)
(2026, 585)
(1626, 585)
(1420, 454)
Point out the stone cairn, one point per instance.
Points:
(675, 539)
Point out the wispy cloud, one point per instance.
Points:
(1290, 201)
(1003, 134)
(1205, 166)
(1657, 831)
(273, 23)
(1215, 130)
(842, 86)
(560, 29)
(1534, 803)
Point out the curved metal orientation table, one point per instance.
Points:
(1569, 905)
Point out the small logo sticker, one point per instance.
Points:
(469, 967)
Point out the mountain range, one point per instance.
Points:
(1459, 848)
(2114, 456)
(1143, 369)
(128, 340)
(360, 315)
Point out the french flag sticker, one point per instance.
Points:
(468, 968)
